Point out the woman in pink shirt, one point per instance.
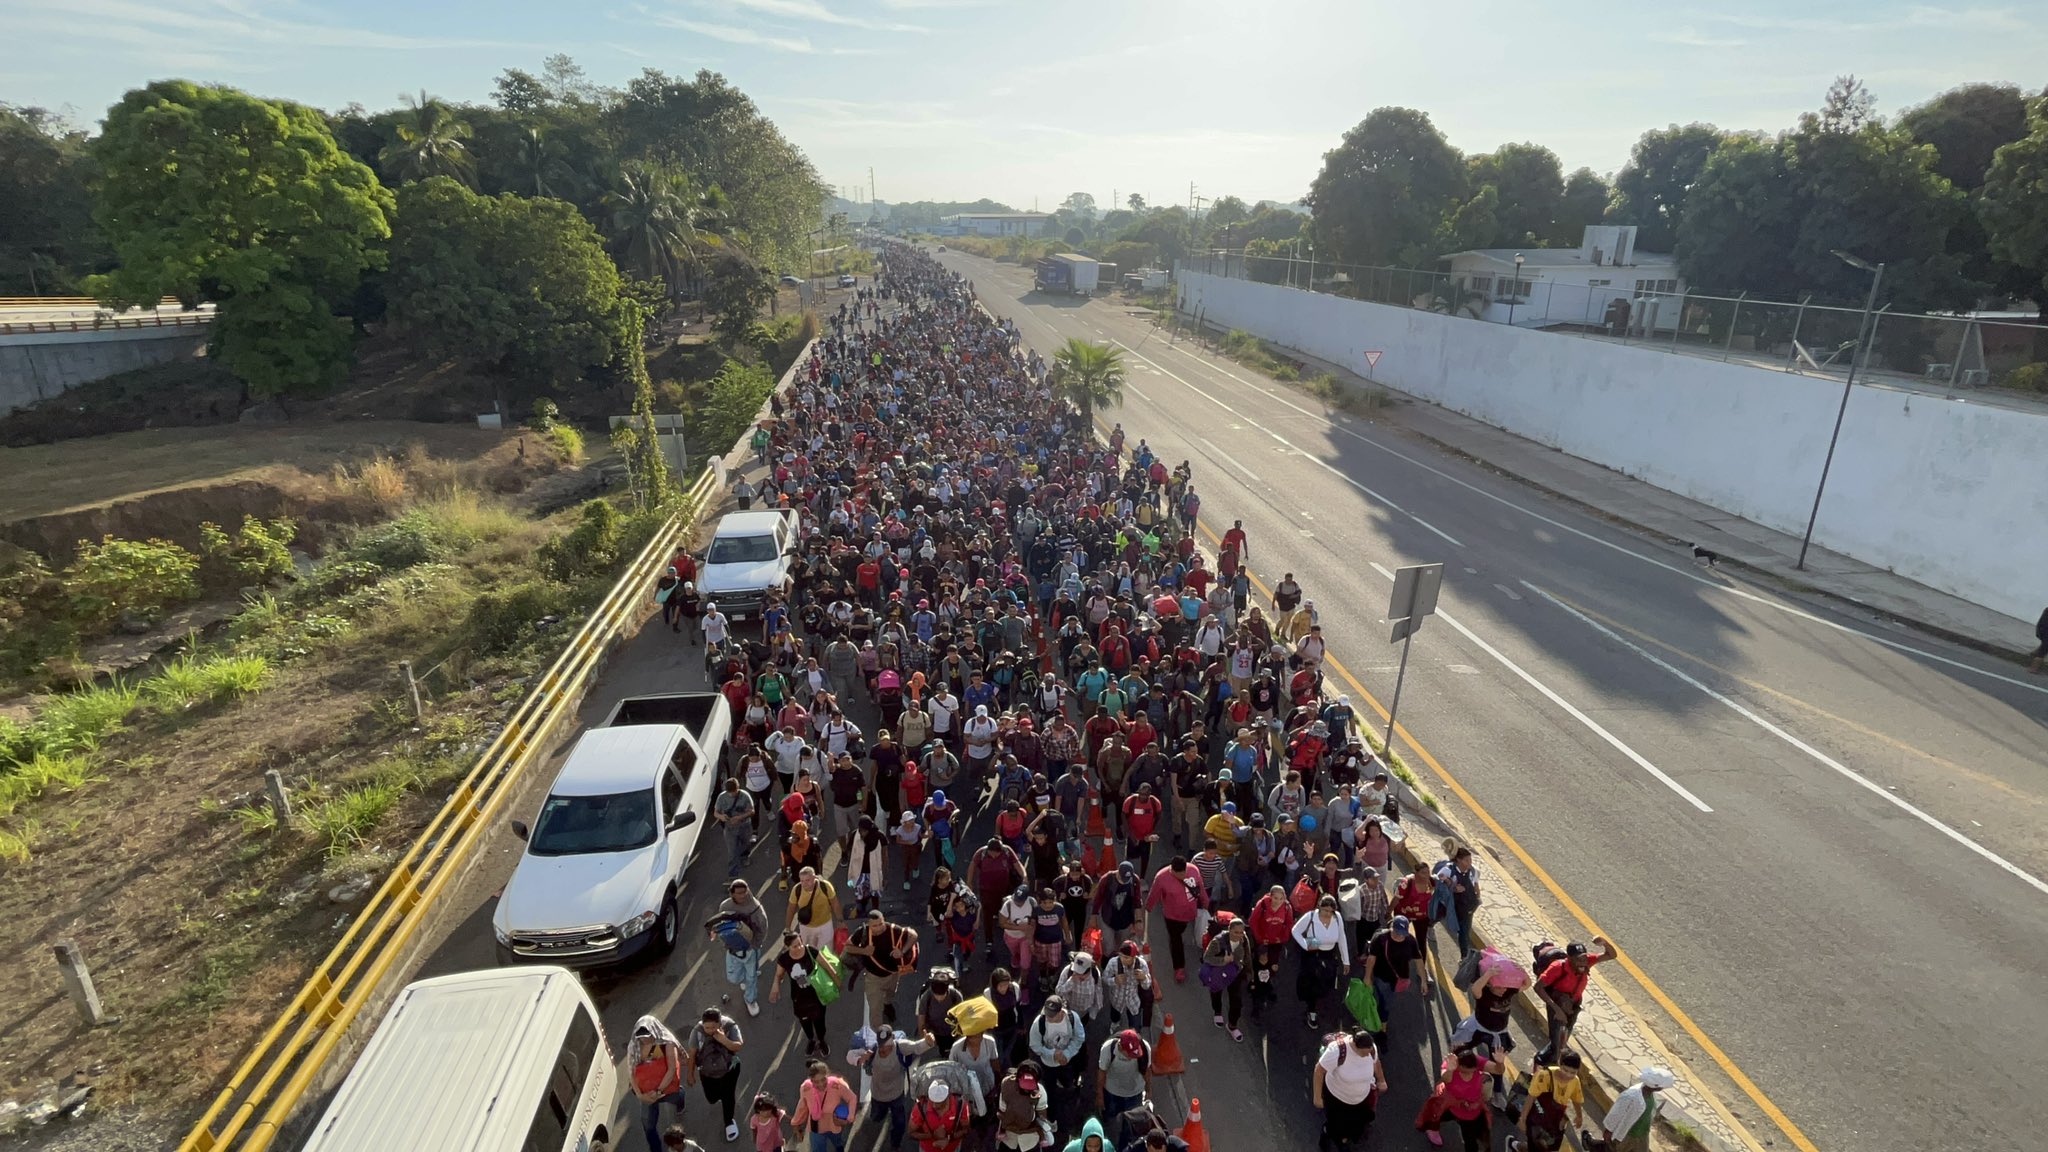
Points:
(824, 1109)
(1178, 893)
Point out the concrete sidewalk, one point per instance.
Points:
(1889, 599)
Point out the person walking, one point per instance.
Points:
(1325, 955)
(741, 924)
(888, 1064)
(1179, 895)
(1393, 961)
(1561, 983)
(1556, 1094)
(656, 1062)
(1226, 957)
(1627, 1125)
(714, 1055)
(2041, 650)
(814, 908)
(1345, 1086)
(824, 1108)
(735, 814)
(1123, 1074)
(800, 965)
(884, 952)
(1056, 1037)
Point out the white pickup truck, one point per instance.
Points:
(605, 857)
(749, 556)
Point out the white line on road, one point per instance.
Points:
(1228, 458)
(1570, 709)
(1623, 549)
(1511, 593)
(1749, 714)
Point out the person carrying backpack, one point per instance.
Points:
(1123, 1074)
(655, 1059)
(940, 1121)
(1555, 1095)
(1020, 1111)
(1346, 1086)
(741, 925)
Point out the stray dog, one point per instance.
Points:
(1712, 557)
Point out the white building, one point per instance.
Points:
(995, 224)
(1567, 286)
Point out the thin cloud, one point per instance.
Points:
(227, 26)
(816, 13)
(1690, 37)
(928, 5)
(735, 34)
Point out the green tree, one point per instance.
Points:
(2015, 199)
(1384, 190)
(659, 222)
(1473, 224)
(1530, 182)
(430, 140)
(1088, 377)
(518, 288)
(1584, 204)
(1739, 220)
(1652, 189)
(210, 194)
(47, 237)
(736, 290)
(1170, 231)
(1226, 211)
(1967, 126)
(1136, 203)
(1081, 204)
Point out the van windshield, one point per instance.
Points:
(741, 550)
(572, 825)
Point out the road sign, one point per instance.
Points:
(1415, 589)
(1372, 359)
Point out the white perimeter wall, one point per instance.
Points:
(1951, 495)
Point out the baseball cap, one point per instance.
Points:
(1400, 925)
(938, 1092)
(1130, 1043)
(1027, 1081)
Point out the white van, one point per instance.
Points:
(509, 1060)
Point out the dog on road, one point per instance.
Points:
(1711, 557)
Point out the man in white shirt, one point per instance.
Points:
(979, 734)
(1347, 1075)
(717, 629)
(788, 750)
(944, 707)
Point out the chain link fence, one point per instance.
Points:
(2003, 351)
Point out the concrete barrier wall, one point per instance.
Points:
(1948, 494)
(38, 365)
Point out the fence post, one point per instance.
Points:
(1798, 318)
(1678, 322)
(78, 984)
(280, 799)
(1728, 345)
(412, 689)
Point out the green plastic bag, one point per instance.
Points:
(1364, 1006)
(826, 974)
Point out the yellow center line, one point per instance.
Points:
(1720, 1058)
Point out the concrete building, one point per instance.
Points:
(995, 224)
(1572, 286)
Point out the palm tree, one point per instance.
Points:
(662, 224)
(431, 142)
(1090, 377)
(544, 166)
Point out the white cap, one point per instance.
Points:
(1659, 1077)
(938, 1092)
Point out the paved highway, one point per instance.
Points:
(1819, 836)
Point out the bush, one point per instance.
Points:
(736, 396)
(590, 547)
(257, 553)
(2027, 378)
(502, 619)
(399, 544)
(547, 420)
(190, 680)
(1286, 373)
(141, 576)
(338, 576)
(345, 820)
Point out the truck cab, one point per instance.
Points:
(749, 556)
(605, 855)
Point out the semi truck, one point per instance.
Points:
(1068, 272)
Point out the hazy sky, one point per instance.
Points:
(957, 99)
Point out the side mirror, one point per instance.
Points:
(519, 829)
(681, 820)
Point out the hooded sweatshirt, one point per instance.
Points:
(651, 1037)
(1091, 1139)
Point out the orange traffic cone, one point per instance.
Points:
(1106, 863)
(1096, 828)
(1192, 1131)
(1166, 1057)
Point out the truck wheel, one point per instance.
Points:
(667, 925)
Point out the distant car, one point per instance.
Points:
(942, 247)
(848, 280)
(791, 282)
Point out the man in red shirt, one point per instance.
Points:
(1235, 540)
(1142, 812)
(1562, 985)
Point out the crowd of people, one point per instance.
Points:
(1078, 731)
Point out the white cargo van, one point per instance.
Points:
(509, 1060)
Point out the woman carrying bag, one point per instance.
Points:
(1226, 957)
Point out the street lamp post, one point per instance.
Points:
(1515, 292)
(1856, 356)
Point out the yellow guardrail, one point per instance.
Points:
(279, 1071)
(104, 323)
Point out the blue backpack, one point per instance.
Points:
(733, 937)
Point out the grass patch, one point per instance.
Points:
(80, 721)
(192, 680)
(41, 773)
(565, 439)
(256, 819)
(344, 820)
(219, 981)
(18, 844)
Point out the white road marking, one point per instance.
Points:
(1229, 459)
(1570, 709)
(1511, 593)
(1747, 713)
(1623, 549)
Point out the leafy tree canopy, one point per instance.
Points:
(1383, 191)
(1651, 190)
(211, 194)
(2015, 204)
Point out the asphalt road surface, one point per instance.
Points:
(1820, 834)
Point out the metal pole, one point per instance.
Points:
(1728, 345)
(1678, 322)
(1798, 318)
(1394, 707)
(1855, 357)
